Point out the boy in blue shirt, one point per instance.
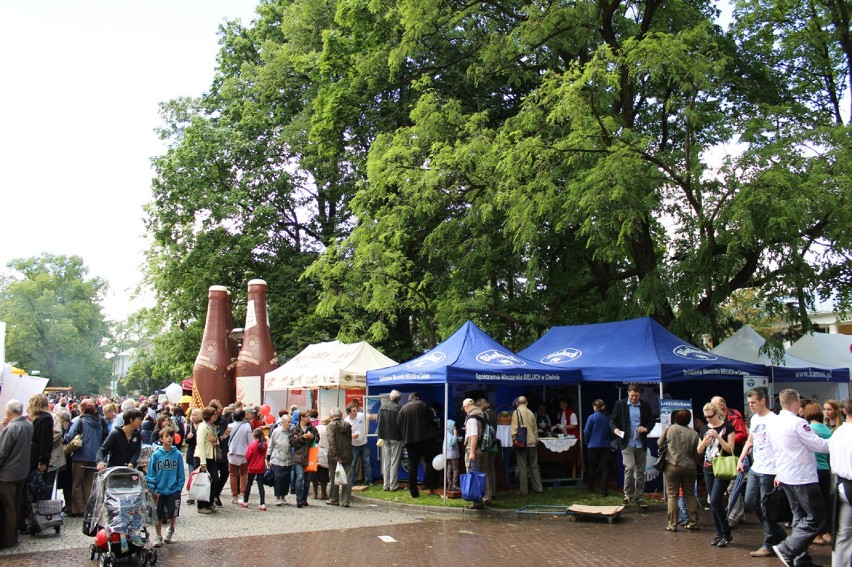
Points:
(165, 480)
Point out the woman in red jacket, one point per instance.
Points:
(256, 457)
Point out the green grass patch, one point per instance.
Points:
(505, 500)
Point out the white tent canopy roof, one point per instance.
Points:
(828, 349)
(745, 345)
(328, 365)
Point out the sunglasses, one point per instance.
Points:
(712, 415)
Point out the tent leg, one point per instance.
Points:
(443, 443)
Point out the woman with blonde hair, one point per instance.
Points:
(717, 438)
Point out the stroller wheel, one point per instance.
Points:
(153, 557)
(93, 551)
(143, 557)
(105, 559)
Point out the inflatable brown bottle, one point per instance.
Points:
(257, 355)
(210, 372)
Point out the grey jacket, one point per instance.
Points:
(15, 443)
(682, 446)
(279, 447)
(339, 441)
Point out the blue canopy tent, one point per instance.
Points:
(634, 350)
(471, 357)
(640, 350)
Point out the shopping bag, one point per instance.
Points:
(776, 506)
(725, 468)
(472, 485)
(199, 490)
(313, 459)
(340, 477)
(75, 444)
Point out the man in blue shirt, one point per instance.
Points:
(630, 422)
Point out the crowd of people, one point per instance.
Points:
(805, 449)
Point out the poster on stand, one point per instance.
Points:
(249, 390)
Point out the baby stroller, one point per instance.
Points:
(118, 514)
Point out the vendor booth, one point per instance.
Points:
(472, 364)
(641, 350)
(811, 379)
(331, 369)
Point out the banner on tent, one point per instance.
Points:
(668, 407)
(248, 390)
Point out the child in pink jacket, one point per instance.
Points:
(256, 457)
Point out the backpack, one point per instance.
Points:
(487, 435)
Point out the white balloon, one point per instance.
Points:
(438, 462)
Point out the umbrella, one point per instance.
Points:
(738, 486)
(185, 400)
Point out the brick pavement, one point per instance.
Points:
(638, 539)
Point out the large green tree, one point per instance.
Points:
(403, 165)
(55, 325)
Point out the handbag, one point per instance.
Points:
(520, 440)
(313, 458)
(340, 477)
(199, 489)
(725, 468)
(776, 506)
(269, 478)
(35, 484)
(75, 444)
(662, 451)
(472, 485)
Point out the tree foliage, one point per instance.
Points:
(54, 320)
(404, 165)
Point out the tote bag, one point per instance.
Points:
(313, 458)
(520, 440)
(472, 485)
(200, 488)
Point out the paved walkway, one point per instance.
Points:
(380, 535)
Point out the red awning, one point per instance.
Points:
(187, 384)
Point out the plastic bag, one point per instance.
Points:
(199, 490)
(340, 477)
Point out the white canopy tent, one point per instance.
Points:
(829, 349)
(812, 378)
(325, 366)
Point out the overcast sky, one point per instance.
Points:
(81, 84)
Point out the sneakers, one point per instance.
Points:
(788, 562)
(626, 501)
(170, 534)
(723, 542)
(158, 541)
(190, 501)
(716, 540)
(205, 511)
(641, 503)
(279, 501)
(235, 500)
(242, 504)
(762, 552)
(262, 507)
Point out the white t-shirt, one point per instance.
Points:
(840, 447)
(471, 427)
(762, 454)
(357, 427)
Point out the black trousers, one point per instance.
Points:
(598, 465)
(416, 452)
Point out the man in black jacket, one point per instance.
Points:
(418, 431)
(390, 433)
(630, 422)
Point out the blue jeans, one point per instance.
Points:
(757, 486)
(715, 493)
(362, 452)
(303, 482)
(808, 514)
